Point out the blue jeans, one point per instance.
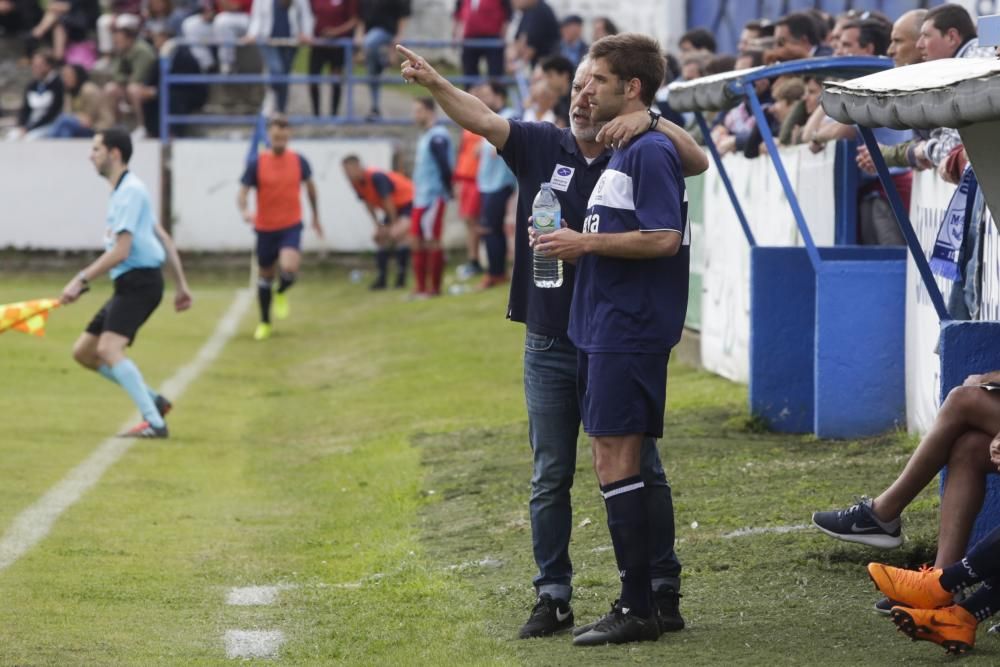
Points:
(553, 430)
(278, 60)
(68, 126)
(376, 45)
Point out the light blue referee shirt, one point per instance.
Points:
(130, 210)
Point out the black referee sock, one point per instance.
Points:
(285, 280)
(985, 601)
(264, 299)
(629, 528)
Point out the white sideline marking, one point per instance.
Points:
(33, 524)
(253, 643)
(254, 596)
(779, 530)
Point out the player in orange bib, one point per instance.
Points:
(388, 195)
(277, 175)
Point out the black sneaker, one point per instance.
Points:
(859, 524)
(378, 284)
(885, 605)
(163, 406)
(667, 603)
(400, 281)
(619, 627)
(548, 616)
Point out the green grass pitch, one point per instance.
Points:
(371, 460)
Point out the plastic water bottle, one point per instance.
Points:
(546, 217)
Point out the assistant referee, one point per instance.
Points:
(135, 247)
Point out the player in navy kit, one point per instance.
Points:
(572, 160)
(629, 303)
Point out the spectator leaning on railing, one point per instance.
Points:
(335, 19)
(796, 36)
(482, 19)
(184, 98)
(287, 20)
(537, 34)
(384, 20)
(220, 21)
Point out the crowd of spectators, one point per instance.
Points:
(791, 103)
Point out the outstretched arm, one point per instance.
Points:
(467, 110)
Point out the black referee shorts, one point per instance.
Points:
(137, 294)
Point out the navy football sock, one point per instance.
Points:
(402, 263)
(981, 562)
(285, 280)
(264, 299)
(629, 528)
(381, 264)
(985, 601)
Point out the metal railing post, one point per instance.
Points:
(710, 143)
(772, 150)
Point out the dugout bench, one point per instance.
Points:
(826, 323)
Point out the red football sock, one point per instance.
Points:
(420, 270)
(436, 269)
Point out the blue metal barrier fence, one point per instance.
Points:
(348, 80)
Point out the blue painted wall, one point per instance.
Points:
(725, 18)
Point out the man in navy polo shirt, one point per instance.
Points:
(572, 160)
(629, 302)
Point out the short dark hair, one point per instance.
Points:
(700, 38)
(673, 68)
(633, 56)
(499, 89)
(756, 57)
(872, 31)
(46, 54)
(946, 17)
(428, 103)
(609, 25)
(351, 159)
(824, 23)
(800, 24)
(721, 63)
(117, 138)
(558, 64)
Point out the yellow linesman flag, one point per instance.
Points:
(27, 316)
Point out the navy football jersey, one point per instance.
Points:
(634, 305)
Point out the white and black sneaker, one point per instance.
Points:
(619, 626)
(859, 524)
(548, 617)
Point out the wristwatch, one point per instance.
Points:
(654, 118)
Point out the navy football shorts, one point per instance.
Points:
(622, 393)
(269, 244)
